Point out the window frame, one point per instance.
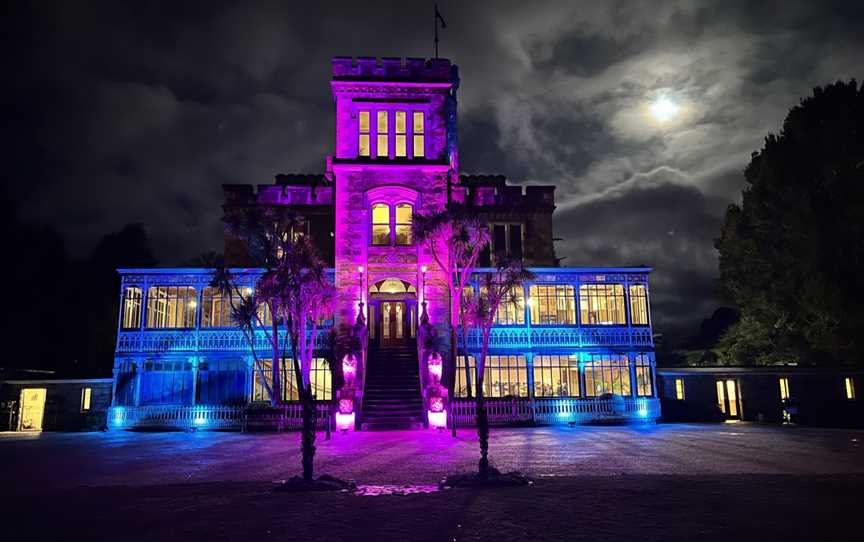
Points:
(189, 323)
(849, 388)
(133, 312)
(590, 293)
(641, 297)
(86, 399)
(392, 224)
(680, 393)
(538, 301)
(565, 365)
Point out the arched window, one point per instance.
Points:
(380, 224)
(404, 213)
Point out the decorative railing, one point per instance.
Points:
(562, 336)
(204, 340)
(215, 417)
(555, 411)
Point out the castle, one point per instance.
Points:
(576, 347)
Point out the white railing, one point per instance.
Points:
(563, 336)
(562, 410)
(205, 340)
(214, 417)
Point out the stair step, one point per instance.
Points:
(391, 426)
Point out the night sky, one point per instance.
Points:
(139, 111)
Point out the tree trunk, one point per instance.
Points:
(482, 417)
(465, 350)
(451, 377)
(276, 396)
(307, 442)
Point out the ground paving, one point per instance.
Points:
(660, 482)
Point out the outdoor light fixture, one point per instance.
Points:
(437, 415)
(423, 269)
(349, 368)
(193, 303)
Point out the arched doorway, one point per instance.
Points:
(393, 312)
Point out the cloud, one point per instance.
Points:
(139, 112)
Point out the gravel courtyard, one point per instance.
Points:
(658, 482)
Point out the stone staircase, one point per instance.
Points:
(392, 399)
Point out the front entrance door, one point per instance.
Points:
(395, 322)
(32, 409)
(729, 399)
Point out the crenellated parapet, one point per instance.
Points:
(289, 189)
(493, 191)
(346, 68)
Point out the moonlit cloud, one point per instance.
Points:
(139, 112)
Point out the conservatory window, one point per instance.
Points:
(320, 379)
(556, 376)
(131, 307)
(638, 305)
(171, 307)
(607, 374)
(215, 308)
(644, 380)
(418, 148)
(508, 314)
(363, 142)
(602, 304)
(382, 149)
(404, 213)
(401, 142)
(380, 224)
(504, 376)
(553, 305)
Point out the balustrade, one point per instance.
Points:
(205, 340)
(560, 410)
(525, 337)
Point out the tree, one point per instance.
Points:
(497, 287)
(455, 238)
(296, 291)
(791, 254)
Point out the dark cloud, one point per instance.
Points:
(138, 112)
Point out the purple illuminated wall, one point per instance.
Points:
(368, 84)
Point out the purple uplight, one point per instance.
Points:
(437, 420)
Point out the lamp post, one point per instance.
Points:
(361, 318)
(424, 315)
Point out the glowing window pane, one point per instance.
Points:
(400, 122)
(607, 374)
(132, 307)
(784, 388)
(679, 389)
(602, 304)
(363, 144)
(850, 387)
(86, 394)
(404, 214)
(382, 122)
(638, 305)
(381, 213)
(419, 141)
(381, 235)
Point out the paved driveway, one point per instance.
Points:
(59, 460)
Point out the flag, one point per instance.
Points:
(438, 17)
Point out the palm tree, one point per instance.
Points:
(498, 287)
(455, 238)
(246, 315)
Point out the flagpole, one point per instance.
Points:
(435, 24)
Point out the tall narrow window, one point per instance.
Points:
(419, 147)
(515, 247)
(380, 224)
(850, 387)
(363, 142)
(215, 308)
(171, 307)
(131, 307)
(638, 305)
(602, 304)
(679, 389)
(784, 389)
(644, 379)
(404, 213)
(86, 394)
(553, 305)
(401, 142)
(382, 148)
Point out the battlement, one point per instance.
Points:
(493, 190)
(346, 68)
(289, 189)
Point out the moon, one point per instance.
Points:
(663, 109)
